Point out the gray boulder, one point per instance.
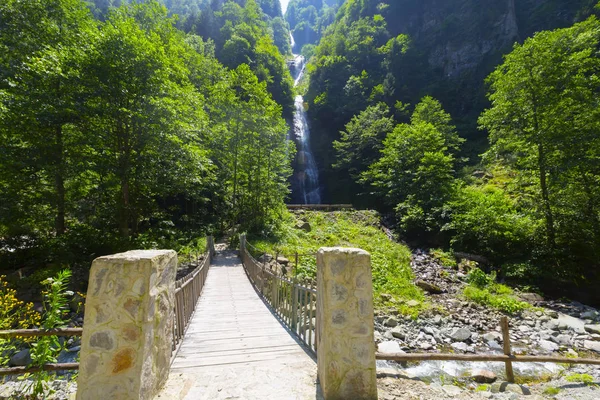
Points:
(389, 347)
(20, 359)
(429, 287)
(548, 345)
(592, 345)
(460, 335)
(592, 328)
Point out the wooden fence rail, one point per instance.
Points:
(34, 333)
(508, 358)
(41, 332)
(187, 292)
(294, 304)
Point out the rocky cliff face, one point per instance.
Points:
(460, 35)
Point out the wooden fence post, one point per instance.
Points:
(294, 307)
(510, 376)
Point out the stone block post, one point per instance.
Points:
(210, 244)
(242, 243)
(128, 326)
(346, 347)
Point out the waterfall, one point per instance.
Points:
(305, 185)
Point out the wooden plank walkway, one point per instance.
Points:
(235, 348)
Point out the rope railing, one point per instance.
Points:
(187, 292)
(293, 303)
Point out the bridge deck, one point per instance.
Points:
(235, 348)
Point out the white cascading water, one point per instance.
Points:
(307, 174)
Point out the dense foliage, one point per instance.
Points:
(127, 132)
(392, 275)
(529, 204)
(249, 32)
(445, 50)
(308, 19)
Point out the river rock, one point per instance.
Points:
(304, 226)
(592, 328)
(492, 336)
(429, 287)
(548, 345)
(413, 303)
(460, 335)
(20, 359)
(501, 387)
(389, 347)
(282, 260)
(483, 376)
(452, 390)
(531, 297)
(575, 324)
(592, 345)
(561, 339)
(385, 297)
(590, 314)
(391, 322)
(398, 333)
(461, 346)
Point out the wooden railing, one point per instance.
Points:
(508, 358)
(187, 292)
(37, 333)
(293, 303)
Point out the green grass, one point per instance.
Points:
(443, 257)
(484, 290)
(390, 261)
(582, 378)
(483, 388)
(552, 391)
(191, 250)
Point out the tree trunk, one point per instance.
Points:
(124, 167)
(124, 209)
(59, 183)
(550, 231)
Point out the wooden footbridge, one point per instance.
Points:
(233, 336)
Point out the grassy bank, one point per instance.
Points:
(390, 261)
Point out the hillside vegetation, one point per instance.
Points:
(400, 123)
(390, 261)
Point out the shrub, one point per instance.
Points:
(14, 314)
(484, 290)
(486, 221)
(583, 378)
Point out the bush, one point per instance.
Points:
(486, 221)
(583, 378)
(484, 290)
(390, 261)
(480, 279)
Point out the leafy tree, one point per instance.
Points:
(43, 96)
(145, 113)
(415, 174)
(245, 39)
(543, 123)
(360, 144)
(486, 220)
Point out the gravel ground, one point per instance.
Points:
(59, 389)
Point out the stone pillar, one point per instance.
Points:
(210, 243)
(346, 347)
(242, 242)
(128, 327)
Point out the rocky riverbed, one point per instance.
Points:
(453, 324)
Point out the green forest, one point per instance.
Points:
(469, 125)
